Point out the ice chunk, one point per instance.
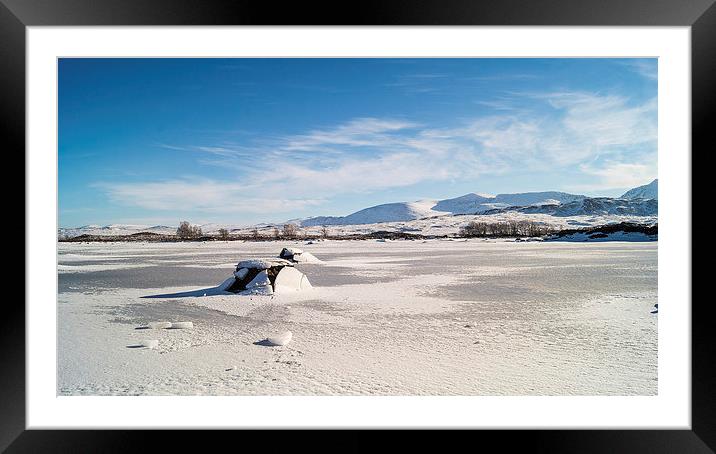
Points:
(182, 325)
(226, 284)
(280, 339)
(288, 280)
(159, 325)
(289, 253)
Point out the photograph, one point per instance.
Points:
(357, 226)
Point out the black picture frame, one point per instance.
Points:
(700, 15)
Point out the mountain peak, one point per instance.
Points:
(647, 191)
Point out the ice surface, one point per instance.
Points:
(548, 318)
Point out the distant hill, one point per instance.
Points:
(591, 206)
(467, 204)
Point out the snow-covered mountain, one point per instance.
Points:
(389, 212)
(648, 191)
(115, 229)
(467, 204)
(479, 203)
(591, 206)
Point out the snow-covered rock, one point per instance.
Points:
(261, 280)
(291, 280)
(268, 276)
(298, 256)
(262, 264)
(226, 284)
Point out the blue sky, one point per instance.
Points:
(241, 141)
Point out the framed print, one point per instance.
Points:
(406, 218)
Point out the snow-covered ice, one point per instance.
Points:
(546, 318)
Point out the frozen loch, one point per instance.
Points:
(431, 317)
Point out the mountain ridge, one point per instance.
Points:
(635, 202)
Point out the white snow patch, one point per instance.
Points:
(281, 339)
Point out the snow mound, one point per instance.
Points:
(280, 339)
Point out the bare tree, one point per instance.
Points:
(186, 230)
(290, 230)
(276, 233)
(504, 229)
(223, 234)
(255, 234)
(324, 232)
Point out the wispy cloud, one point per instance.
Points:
(360, 132)
(646, 68)
(593, 133)
(418, 83)
(201, 195)
(614, 174)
